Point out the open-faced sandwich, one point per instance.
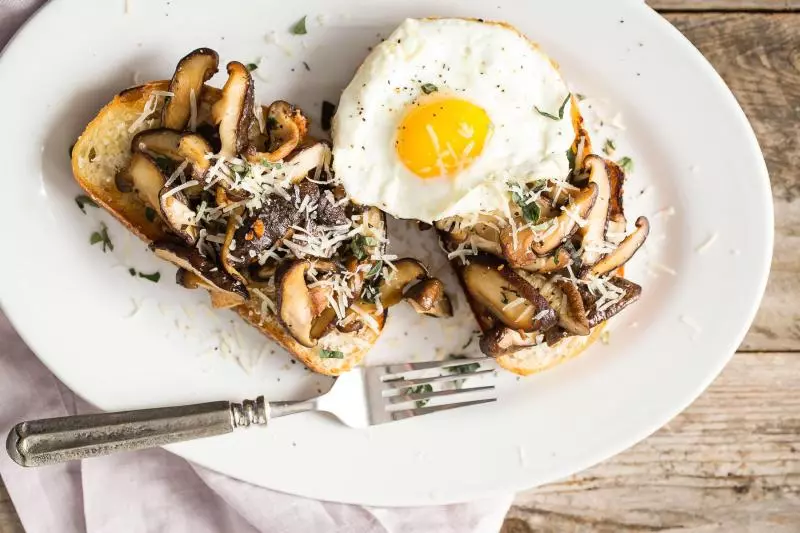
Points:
(468, 126)
(244, 202)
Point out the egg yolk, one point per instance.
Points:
(442, 137)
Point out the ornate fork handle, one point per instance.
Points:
(55, 440)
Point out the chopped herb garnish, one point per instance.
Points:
(555, 256)
(375, 270)
(609, 147)
(149, 213)
(571, 154)
(92, 154)
(154, 277)
(82, 200)
(102, 237)
(464, 369)
(359, 244)
(580, 97)
(330, 354)
(307, 67)
(420, 389)
(560, 110)
(429, 88)
(272, 123)
(328, 110)
(71, 147)
(299, 27)
(626, 163)
(252, 66)
(530, 211)
(370, 293)
(164, 163)
(132, 271)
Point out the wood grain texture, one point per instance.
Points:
(9, 522)
(724, 5)
(730, 463)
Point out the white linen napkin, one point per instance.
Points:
(155, 491)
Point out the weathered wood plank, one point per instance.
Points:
(758, 55)
(9, 523)
(730, 463)
(724, 5)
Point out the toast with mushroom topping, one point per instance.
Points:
(544, 276)
(242, 200)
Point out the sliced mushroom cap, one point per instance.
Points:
(509, 297)
(564, 297)
(594, 232)
(407, 271)
(502, 340)
(160, 141)
(302, 317)
(146, 179)
(305, 160)
(632, 291)
(123, 180)
(178, 215)
(523, 246)
(231, 262)
(194, 148)
(187, 83)
(559, 259)
(624, 251)
(204, 272)
(429, 298)
(234, 111)
(287, 128)
(566, 223)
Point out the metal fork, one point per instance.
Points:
(360, 398)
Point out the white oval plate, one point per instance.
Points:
(123, 342)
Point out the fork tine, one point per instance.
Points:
(400, 398)
(398, 383)
(447, 363)
(408, 413)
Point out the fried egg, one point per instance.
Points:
(444, 113)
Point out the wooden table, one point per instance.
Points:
(731, 462)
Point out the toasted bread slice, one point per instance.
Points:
(103, 149)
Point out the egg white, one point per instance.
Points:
(488, 64)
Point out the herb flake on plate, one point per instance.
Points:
(609, 147)
(102, 237)
(420, 389)
(626, 164)
(330, 354)
(560, 110)
(82, 200)
(154, 277)
(299, 27)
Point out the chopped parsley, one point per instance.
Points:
(626, 163)
(149, 213)
(164, 164)
(328, 110)
(299, 27)
(571, 155)
(420, 389)
(132, 271)
(252, 66)
(370, 293)
(429, 88)
(82, 200)
(609, 147)
(467, 368)
(102, 237)
(531, 211)
(560, 110)
(154, 277)
(330, 354)
(359, 244)
(272, 123)
(375, 270)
